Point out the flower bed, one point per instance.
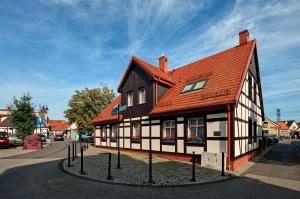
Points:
(32, 142)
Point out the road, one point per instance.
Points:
(44, 179)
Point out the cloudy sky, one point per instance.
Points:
(50, 48)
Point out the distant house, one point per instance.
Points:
(6, 125)
(58, 126)
(292, 124)
(72, 130)
(271, 127)
(284, 129)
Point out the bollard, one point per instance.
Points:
(75, 143)
(73, 152)
(69, 156)
(119, 166)
(81, 162)
(193, 168)
(150, 167)
(223, 174)
(109, 177)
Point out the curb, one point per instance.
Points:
(61, 167)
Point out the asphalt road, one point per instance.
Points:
(46, 180)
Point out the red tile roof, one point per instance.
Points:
(224, 71)
(106, 114)
(155, 72)
(58, 125)
(282, 125)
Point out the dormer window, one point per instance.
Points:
(142, 95)
(130, 98)
(194, 86)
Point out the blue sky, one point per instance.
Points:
(50, 48)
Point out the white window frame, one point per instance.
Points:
(104, 132)
(130, 98)
(198, 125)
(114, 130)
(142, 95)
(134, 129)
(168, 126)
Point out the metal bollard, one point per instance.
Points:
(150, 167)
(193, 168)
(109, 177)
(81, 162)
(75, 149)
(69, 156)
(223, 174)
(73, 152)
(119, 165)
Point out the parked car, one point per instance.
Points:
(59, 137)
(269, 139)
(4, 141)
(43, 138)
(275, 138)
(87, 138)
(14, 141)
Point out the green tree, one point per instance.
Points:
(86, 104)
(23, 118)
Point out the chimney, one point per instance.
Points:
(163, 64)
(244, 36)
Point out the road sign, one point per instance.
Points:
(121, 108)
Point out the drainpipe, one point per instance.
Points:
(228, 138)
(155, 92)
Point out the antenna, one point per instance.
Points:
(278, 114)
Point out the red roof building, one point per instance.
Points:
(282, 126)
(197, 107)
(58, 126)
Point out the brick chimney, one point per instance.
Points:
(244, 36)
(163, 64)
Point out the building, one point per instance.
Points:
(72, 130)
(292, 124)
(58, 126)
(284, 129)
(212, 105)
(271, 127)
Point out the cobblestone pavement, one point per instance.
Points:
(280, 166)
(42, 178)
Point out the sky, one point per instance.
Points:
(51, 48)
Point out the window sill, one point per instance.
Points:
(189, 143)
(168, 142)
(136, 141)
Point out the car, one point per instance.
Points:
(43, 138)
(269, 139)
(59, 137)
(4, 141)
(14, 141)
(87, 138)
(275, 138)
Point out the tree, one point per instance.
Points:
(23, 118)
(86, 104)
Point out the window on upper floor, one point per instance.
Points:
(250, 86)
(250, 129)
(196, 130)
(255, 131)
(194, 86)
(130, 98)
(142, 95)
(254, 93)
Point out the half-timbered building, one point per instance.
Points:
(212, 105)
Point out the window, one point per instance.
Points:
(250, 130)
(196, 130)
(130, 98)
(113, 133)
(188, 87)
(194, 86)
(104, 133)
(254, 93)
(168, 131)
(250, 86)
(199, 85)
(255, 131)
(136, 132)
(142, 95)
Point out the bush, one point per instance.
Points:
(32, 142)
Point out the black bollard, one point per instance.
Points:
(109, 177)
(193, 168)
(81, 162)
(150, 167)
(69, 156)
(119, 165)
(75, 143)
(73, 152)
(223, 156)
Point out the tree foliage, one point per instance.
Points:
(86, 104)
(23, 118)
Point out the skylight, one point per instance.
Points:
(194, 86)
